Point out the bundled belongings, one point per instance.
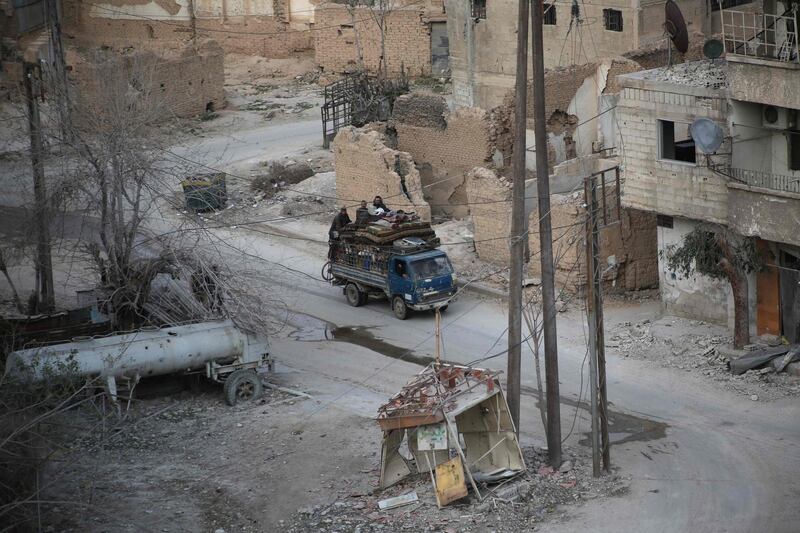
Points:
(442, 407)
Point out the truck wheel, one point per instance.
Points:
(399, 307)
(354, 296)
(242, 386)
(364, 297)
(442, 309)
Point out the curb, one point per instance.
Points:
(482, 289)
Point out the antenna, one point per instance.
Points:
(707, 135)
(675, 26)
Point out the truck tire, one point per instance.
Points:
(399, 307)
(242, 386)
(355, 297)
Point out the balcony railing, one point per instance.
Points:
(757, 178)
(761, 35)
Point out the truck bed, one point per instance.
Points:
(365, 277)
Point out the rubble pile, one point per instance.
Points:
(699, 348)
(518, 505)
(708, 73)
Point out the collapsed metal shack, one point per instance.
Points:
(452, 419)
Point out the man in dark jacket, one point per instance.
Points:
(362, 213)
(339, 221)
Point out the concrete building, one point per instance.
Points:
(483, 34)
(414, 37)
(751, 184)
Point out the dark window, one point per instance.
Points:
(675, 141)
(549, 14)
(727, 4)
(794, 149)
(665, 221)
(478, 9)
(612, 18)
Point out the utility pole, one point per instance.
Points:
(44, 263)
(518, 230)
(58, 64)
(594, 306)
(546, 242)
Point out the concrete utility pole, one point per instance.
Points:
(58, 64)
(594, 306)
(546, 243)
(518, 230)
(44, 263)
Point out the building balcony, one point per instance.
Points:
(766, 181)
(763, 57)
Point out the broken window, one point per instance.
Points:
(479, 9)
(612, 18)
(549, 14)
(665, 221)
(794, 149)
(675, 141)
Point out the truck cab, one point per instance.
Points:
(420, 281)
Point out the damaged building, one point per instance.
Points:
(749, 184)
(482, 37)
(411, 35)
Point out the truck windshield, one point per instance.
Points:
(431, 267)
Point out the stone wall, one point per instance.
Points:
(188, 81)
(632, 242)
(445, 146)
(366, 167)
(263, 29)
(407, 40)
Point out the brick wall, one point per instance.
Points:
(445, 150)
(366, 167)
(268, 36)
(407, 40)
(186, 82)
(633, 241)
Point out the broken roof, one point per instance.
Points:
(708, 73)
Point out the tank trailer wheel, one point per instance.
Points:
(242, 386)
(354, 296)
(399, 307)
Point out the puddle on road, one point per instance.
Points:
(622, 427)
(308, 328)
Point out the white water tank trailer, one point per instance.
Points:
(228, 355)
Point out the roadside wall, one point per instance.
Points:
(262, 27)
(408, 43)
(445, 147)
(366, 167)
(190, 81)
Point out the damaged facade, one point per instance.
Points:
(414, 38)
(269, 28)
(482, 36)
(750, 185)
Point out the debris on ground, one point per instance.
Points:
(699, 348)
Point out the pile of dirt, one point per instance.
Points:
(700, 348)
(533, 497)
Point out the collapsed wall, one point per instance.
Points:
(445, 146)
(366, 167)
(632, 241)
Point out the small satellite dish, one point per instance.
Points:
(707, 135)
(675, 26)
(713, 48)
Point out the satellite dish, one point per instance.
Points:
(713, 48)
(675, 26)
(707, 135)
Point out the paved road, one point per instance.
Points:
(701, 459)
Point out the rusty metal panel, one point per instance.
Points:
(450, 482)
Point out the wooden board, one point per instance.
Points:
(450, 482)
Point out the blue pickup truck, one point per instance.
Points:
(410, 274)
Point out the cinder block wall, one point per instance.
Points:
(366, 167)
(408, 42)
